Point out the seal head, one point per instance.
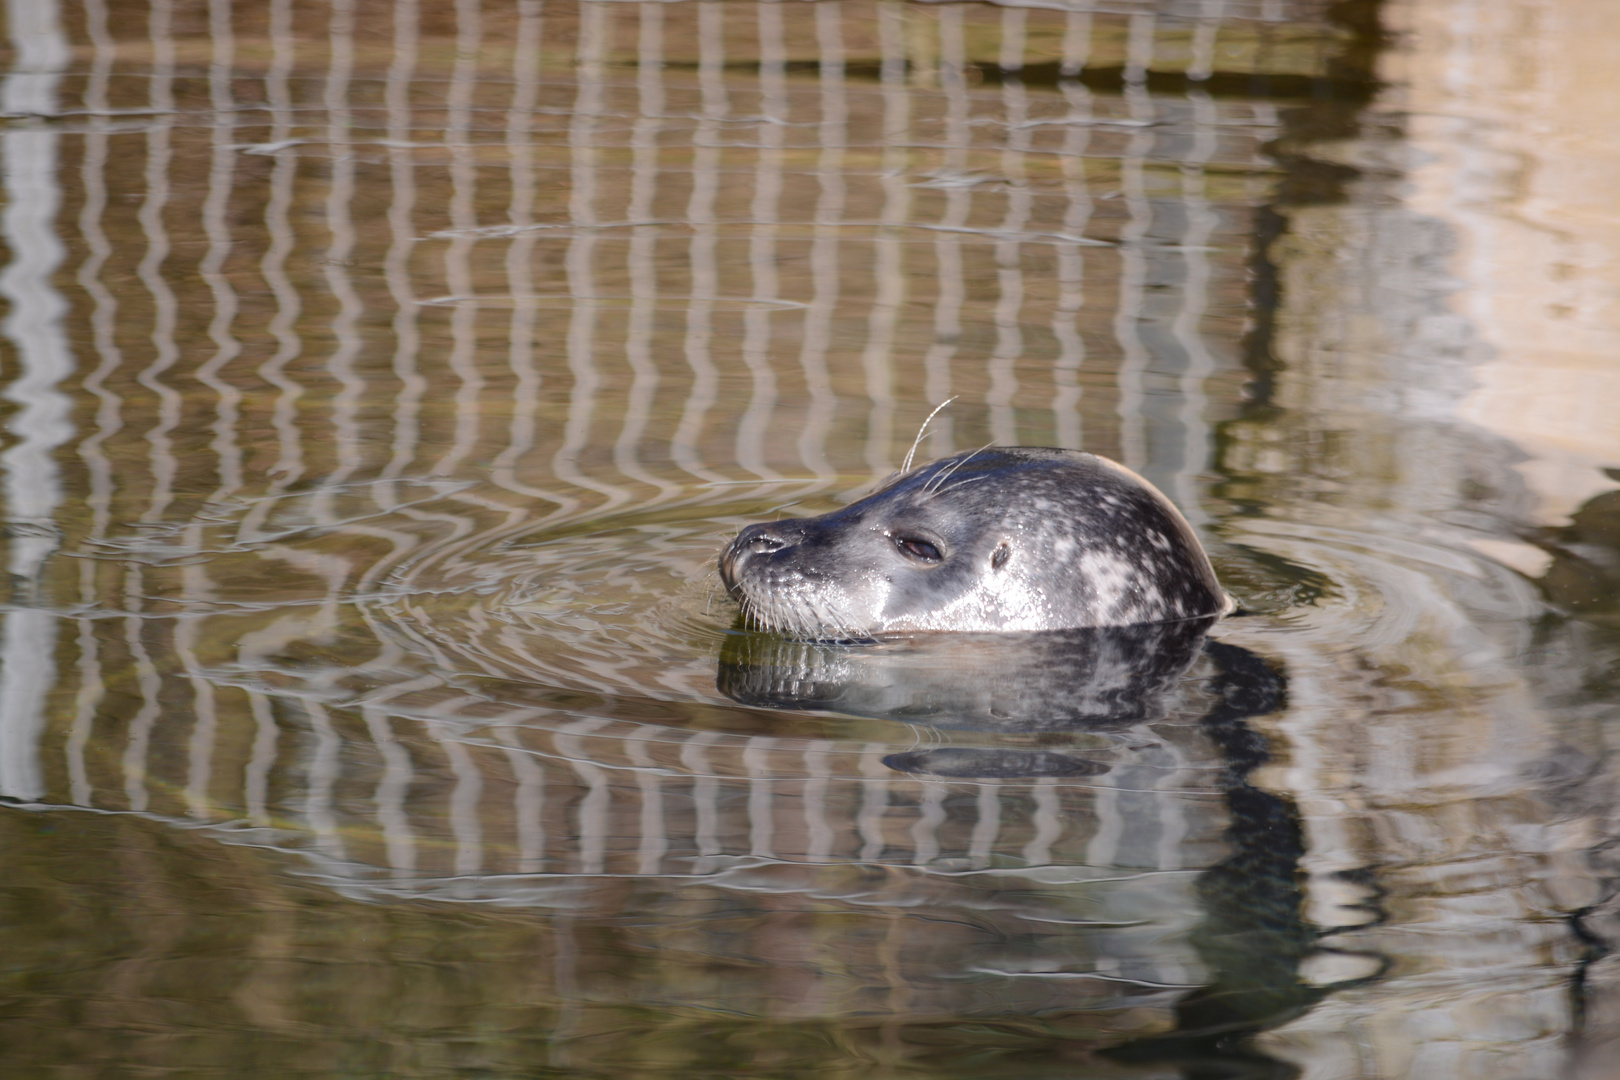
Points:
(1005, 539)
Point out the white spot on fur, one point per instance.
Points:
(1110, 577)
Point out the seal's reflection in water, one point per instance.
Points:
(1117, 707)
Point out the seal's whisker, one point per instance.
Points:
(939, 478)
(828, 613)
(846, 628)
(810, 622)
(945, 474)
(920, 432)
(962, 484)
(802, 620)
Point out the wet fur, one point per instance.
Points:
(1030, 538)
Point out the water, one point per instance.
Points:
(381, 383)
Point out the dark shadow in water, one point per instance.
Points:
(1584, 576)
(1116, 680)
(1254, 935)
(1336, 112)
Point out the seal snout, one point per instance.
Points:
(763, 539)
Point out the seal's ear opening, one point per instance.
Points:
(999, 557)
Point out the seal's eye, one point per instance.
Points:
(917, 549)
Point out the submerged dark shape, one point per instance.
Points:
(986, 763)
(997, 540)
(1059, 680)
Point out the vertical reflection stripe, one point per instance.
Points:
(832, 135)
(1009, 252)
(103, 318)
(950, 284)
(289, 464)
(458, 136)
(762, 251)
(643, 257)
(402, 237)
(165, 348)
(1192, 420)
(654, 835)
(41, 424)
(700, 216)
(582, 345)
(1132, 374)
(197, 586)
(1076, 219)
(888, 258)
(340, 250)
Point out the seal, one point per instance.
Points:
(1006, 539)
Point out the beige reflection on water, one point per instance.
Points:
(1466, 385)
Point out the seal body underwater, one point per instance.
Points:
(1002, 539)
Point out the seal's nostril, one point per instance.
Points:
(761, 540)
(750, 542)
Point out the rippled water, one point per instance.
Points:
(382, 380)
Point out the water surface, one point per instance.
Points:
(381, 383)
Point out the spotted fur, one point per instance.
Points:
(1027, 539)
